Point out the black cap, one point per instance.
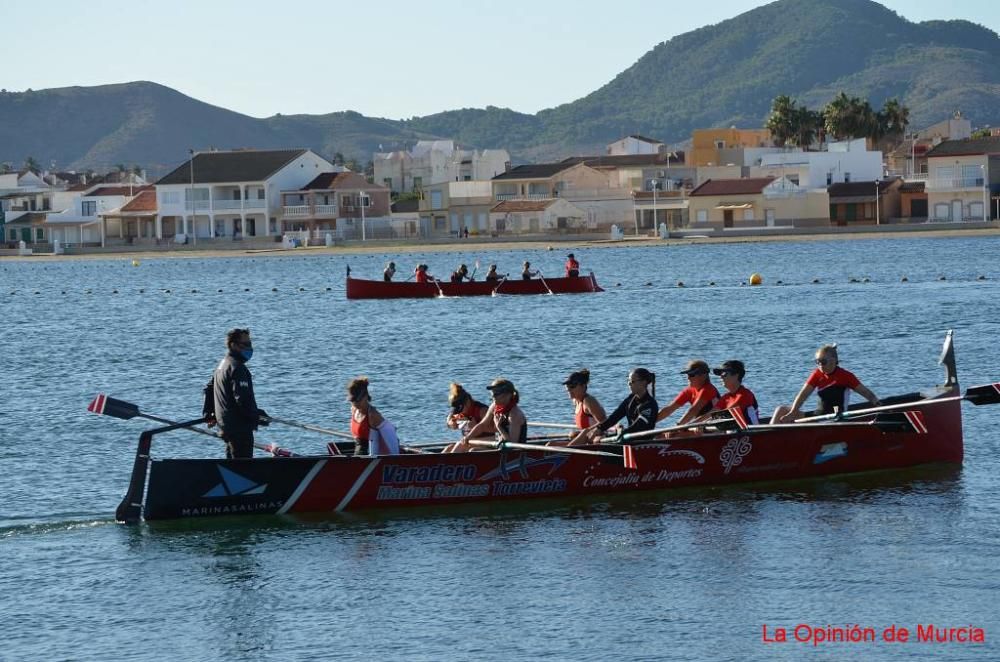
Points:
(501, 386)
(696, 367)
(733, 366)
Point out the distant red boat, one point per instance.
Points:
(358, 288)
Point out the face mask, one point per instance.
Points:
(247, 353)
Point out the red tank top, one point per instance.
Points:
(583, 419)
(359, 428)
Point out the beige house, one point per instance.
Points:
(449, 208)
(553, 215)
(962, 175)
(756, 202)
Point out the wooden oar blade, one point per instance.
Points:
(989, 394)
(108, 406)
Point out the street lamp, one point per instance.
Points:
(193, 206)
(656, 185)
(361, 199)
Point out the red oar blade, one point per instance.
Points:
(902, 421)
(629, 457)
(109, 406)
(988, 394)
(740, 417)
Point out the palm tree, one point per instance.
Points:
(781, 121)
(897, 117)
(807, 124)
(837, 116)
(31, 163)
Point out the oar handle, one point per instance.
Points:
(560, 426)
(311, 428)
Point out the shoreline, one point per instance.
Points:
(455, 246)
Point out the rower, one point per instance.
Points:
(587, 410)
(503, 416)
(466, 411)
(527, 273)
(833, 385)
(389, 272)
(572, 266)
(421, 275)
(373, 435)
(638, 408)
(700, 393)
(492, 275)
(736, 395)
(460, 274)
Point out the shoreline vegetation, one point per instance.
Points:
(472, 245)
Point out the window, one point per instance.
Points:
(829, 178)
(39, 234)
(170, 197)
(941, 211)
(88, 207)
(364, 200)
(13, 235)
(748, 214)
(720, 144)
(439, 222)
(975, 210)
(200, 194)
(345, 201)
(435, 199)
(833, 212)
(702, 216)
(847, 177)
(769, 216)
(387, 182)
(418, 183)
(260, 194)
(972, 175)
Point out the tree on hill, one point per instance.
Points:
(781, 121)
(31, 163)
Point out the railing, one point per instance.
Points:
(227, 204)
(952, 184)
(197, 204)
(255, 203)
(531, 196)
(304, 211)
(295, 211)
(326, 210)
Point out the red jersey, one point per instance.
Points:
(421, 277)
(834, 390)
(477, 414)
(707, 394)
(582, 419)
(572, 267)
(359, 427)
(742, 398)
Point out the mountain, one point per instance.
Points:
(718, 75)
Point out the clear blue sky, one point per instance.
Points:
(384, 58)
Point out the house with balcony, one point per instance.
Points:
(604, 201)
(756, 202)
(86, 220)
(234, 194)
(336, 203)
(449, 208)
(841, 162)
(962, 177)
(23, 193)
(434, 162)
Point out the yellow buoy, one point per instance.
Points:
(135, 263)
(756, 279)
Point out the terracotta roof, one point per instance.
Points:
(118, 190)
(516, 206)
(145, 201)
(859, 189)
(968, 146)
(535, 171)
(746, 186)
(235, 166)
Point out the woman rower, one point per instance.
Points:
(587, 411)
(373, 435)
(833, 384)
(700, 393)
(527, 273)
(737, 395)
(638, 408)
(503, 417)
(421, 274)
(492, 274)
(389, 272)
(460, 274)
(466, 411)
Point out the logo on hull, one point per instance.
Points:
(234, 484)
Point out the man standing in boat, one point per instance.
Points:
(229, 399)
(389, 272)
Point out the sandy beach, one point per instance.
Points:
(467, 245)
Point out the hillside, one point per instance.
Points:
(718, 75)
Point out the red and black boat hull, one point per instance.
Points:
(358, 288)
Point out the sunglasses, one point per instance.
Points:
(823, 361)
(725, 373)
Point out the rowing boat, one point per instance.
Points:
(723, 454)
(359, 288)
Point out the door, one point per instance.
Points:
(26, 235)
(769, 217)
(956, 210)
(851, 212)
(918, 208)
(727, 218)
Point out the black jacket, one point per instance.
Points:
(229, 397)
(640, 413)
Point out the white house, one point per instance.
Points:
(635, 144)
(847, 161)
(435, 162)
(232, 194)
(25, 197)
(534, 216)
(83, 221)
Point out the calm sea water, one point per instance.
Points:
(693, 574)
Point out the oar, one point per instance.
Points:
(561, 426)
(311, 428)
(567, 450)
(986, 394)
(502, 281)
(108, 406)
(656, 431)
(438, 285)
(542, 278)
(474, 270)
(909, 421)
